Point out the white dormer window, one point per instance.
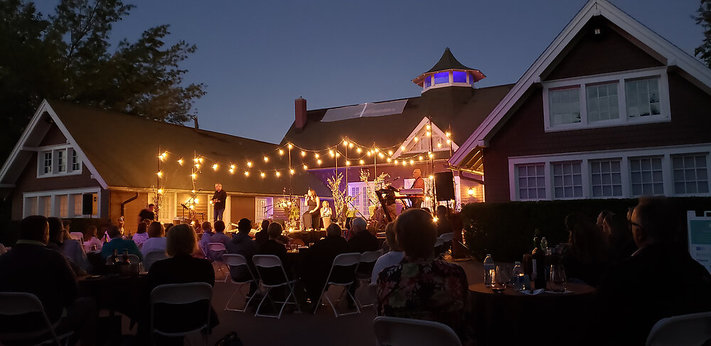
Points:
(606, 100)
(57, 161)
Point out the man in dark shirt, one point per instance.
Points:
(318, 259)
(32, 267)
(272, 246)
(147, 214)
(218, 201)
(243, 245)
(659, 280)
(361, 240)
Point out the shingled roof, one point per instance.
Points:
(448, 62)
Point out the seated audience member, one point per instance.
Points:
(218, 237)
(119, 244)
(242, 244)
(262, 236)
(619, 237)
(121, 222)
(141, 234)
(32, 267)
(157, 240)
(61, 241)
(318, 259)
(181, 267)
(443, 223)
(91, 242)
(422, 287)
(659, 280)
(392, 257)
(3, 249)
(586, 258)
(272, 246)
(361, 239)
(206, 237)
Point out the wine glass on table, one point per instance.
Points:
(558, 281)
(499, 279)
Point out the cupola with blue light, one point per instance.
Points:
(448, 72)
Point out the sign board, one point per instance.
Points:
(699, 229)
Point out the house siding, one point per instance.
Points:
(524, 135)
(242, 207)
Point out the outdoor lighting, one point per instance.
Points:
(192, 207)
(249, 164)
(289, 146)
(361, 162)
(431, 155)
(231, 170)
(431, 177)
(389, 159)
(193, 176)
(377, 150)
(350, 145)
(319, 161)
(316, 155)
(434, 219)
(306, 167)
(427, 198)
(197, 165)
(348, 163)
(197, 200)
(448, 134)
(292, 171)
(196, 160)
(419, 157)
(193, 191)
(470, 191)
(369, 154)
(412, 162)
(439, 144)
(429, 133)
(200, 159)
(262, 174)
(448, 141)
(380, 155)
(417, 139)
(303, 153)
(215, 166)
(277, 174)
(358, 150)
(246, 173)
(345, 143)
(281, 152)
(160, 174)
(396, 162)
(402, 147)
(404, 163)
(338, 154)
(232, 166)
(160, 191)
(266, 158)
(428, 126)
(390, 152)
(180, 161)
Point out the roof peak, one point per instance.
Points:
(448, 62)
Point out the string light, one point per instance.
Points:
(348, 163)
(160, 174)
(429, 134)
(193, 191)
(232, 166)
(428, 126)
(180, 161)
(417, 139)
(380, 155)
(431, 155)
(262, 174)
(194, 176)
(266, 158)
(361, 162)
(350, 145)
(200, 159)
(197, 200)
(338, 154)
(281, 152)
(319, 162)
(449, 141)
(277, 174)
(215, 166)
(448, 134)
(402, 147)
(412, 162)
(358, 150)
(439, 144)
(369, 153)
(303, 153)
(419, 157)
(292, 171)
(232, 171)
(197, 165)
(316, 155)
(249, 164)
(246, 173)
(306, 167)
(376, 150)
(431, 177)
(390, 152)
(290, 146)
(160, 191)
(345, 143)
(389, 159)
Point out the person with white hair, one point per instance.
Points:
(360, 239)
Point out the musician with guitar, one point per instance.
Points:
(419, 183)
(218, 201)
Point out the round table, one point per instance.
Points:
(511, 317)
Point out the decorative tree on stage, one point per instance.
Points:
(340, 199)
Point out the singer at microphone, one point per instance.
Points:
(218, 201)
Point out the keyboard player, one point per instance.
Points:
(419, 183)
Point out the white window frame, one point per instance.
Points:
(708, 181)
(619, 78)
(624, 155)
(552, 178)
(602, 185)
(68, 164)
(546, 184)
(54, 202)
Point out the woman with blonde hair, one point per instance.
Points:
(312, 217)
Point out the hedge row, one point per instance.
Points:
(505, 230)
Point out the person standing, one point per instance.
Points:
(147, 214)
(218, 201)
(419, 183)
(312, 217)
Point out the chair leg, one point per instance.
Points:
(320, 297)
(246, 305)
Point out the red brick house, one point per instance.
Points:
(609, 110)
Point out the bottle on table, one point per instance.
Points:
(115, 258)
(539, 258)
(489, 268)
(518, 276)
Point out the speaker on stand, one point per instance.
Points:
(444, 186)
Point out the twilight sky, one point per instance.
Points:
(256, 57)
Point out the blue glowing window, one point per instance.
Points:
(428, 81)
(441, 77)
(459, 76)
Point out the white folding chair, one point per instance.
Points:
(215, 251)
(20, 303)
(444, 238)
(690, 329)
(397, 331)
(153, 257)
(181, 294)
(272, 274)
(342, 273)
(367, 261)
(77, 236)
(237, 261)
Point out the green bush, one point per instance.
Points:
(505, 230)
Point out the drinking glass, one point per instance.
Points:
(499, 279)
(557, 282)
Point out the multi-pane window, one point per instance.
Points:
(76, 164)
(441, 77)
(531, 181)
(61, 160)
(642, 96)
(602, 102)
(567, 179)
(690, 174)
(459, 76)
(646, 176)
(564, 105)
(47, 162)
(606, 178)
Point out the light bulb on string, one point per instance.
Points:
(402, 147)
(303, 153)
(281, 152)
(249, 164)
(316, 155)
(376, 150)
(417, 139)
(429, 133)
(348, 163)
(412, 162)
(266, 158)
(306, 167)
(419, 157)
(350, 145)
(290, 146)
(160, 174)
(215, 167)
(232, 166)
(338, 154)
(449, 141)
(319, 162)
(277, 174)
(428, 126)
(380, 155)
(369, 154)
(431, 177)
(345, 143)
(389, 159)
(197, 165)
(262, 174)
(160, 191)
(358, 150)
(246, 173)
(180, 161)
(231, 170)
(292, 171)
(194, 176)
(361, 162)
(448, 134)
(200, 159)
(390, 152)
(439, 144)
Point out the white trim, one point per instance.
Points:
(435, 132)
(673, 55)
(23, 139)
(53, 194)
(68, 164)
(623, 155)
(619, 79)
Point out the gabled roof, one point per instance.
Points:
(458, 110)
(420, 130)
(669, 52)
(448, 62)
(121, 150)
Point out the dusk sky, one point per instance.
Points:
(256, 57)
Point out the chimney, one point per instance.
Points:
(196, 122)
(300, 113)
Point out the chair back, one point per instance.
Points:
(240, 265)
(133, 258)
(77, 236)
(153, 257)
(344, 268)
(181, 294)
(216, 247)
(20, 303)
(690, 329)
(397, 331)
(270, 270)
(369, 256)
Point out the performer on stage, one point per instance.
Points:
(312, 217)
(419, 183)
(218, 200)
